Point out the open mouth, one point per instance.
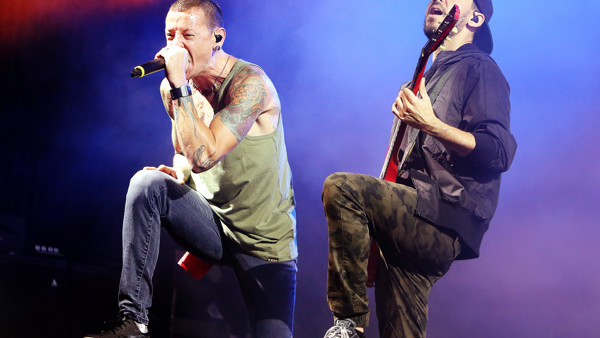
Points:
(436, 11)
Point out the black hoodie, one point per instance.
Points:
(461, 193)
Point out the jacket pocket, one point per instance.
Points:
(428, 195)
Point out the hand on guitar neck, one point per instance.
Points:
(413, 106)
(417, 112)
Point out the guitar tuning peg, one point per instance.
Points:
(448, 38)
(442, 47)
(454, 30)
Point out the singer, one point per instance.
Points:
(227, 198)
(439, 206)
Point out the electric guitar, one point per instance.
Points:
(390, 167)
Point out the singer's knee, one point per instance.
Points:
(146, 181)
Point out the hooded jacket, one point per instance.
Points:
(461, 193)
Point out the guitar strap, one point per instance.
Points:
(412, 133)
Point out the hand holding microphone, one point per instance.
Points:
(177, 59)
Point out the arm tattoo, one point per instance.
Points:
(181, 117)
(166, 101)
(207, 163)
(187, 105)
(247, 102)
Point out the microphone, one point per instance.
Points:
(148, 67)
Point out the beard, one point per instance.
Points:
(429, 30)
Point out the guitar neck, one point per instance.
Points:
(418, 75)
(436, 41)
(391, 164)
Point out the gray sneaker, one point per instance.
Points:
(344, 328)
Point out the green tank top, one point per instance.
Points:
(251, 191)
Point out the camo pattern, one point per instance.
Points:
(415, 253)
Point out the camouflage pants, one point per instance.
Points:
(414, 253)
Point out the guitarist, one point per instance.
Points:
(440, 203)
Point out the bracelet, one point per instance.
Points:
(180, 92)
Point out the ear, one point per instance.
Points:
(476, 20)
(220, 31)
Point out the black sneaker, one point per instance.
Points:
(124, 327)
(344, 328)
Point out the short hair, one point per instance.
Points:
(210, 8)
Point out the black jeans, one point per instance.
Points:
(155, 199)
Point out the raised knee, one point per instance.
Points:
(144, 179)
(331, 186)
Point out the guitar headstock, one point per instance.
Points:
(442, 32)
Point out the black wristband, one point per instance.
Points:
(180, 92)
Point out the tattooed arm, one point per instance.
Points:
(205, 113)
(181, 168)
(250, 95)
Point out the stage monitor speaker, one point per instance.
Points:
(33, 297)
(51, 297)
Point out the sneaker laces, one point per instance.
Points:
(343, 328)
(115, 325)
